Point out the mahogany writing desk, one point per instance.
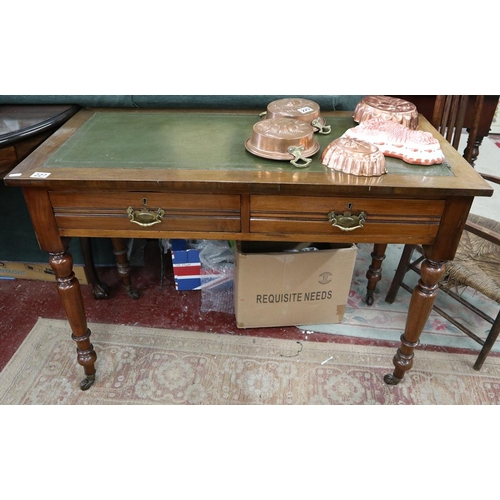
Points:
(173, 174)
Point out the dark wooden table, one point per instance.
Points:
(171, 174)
(24, 128)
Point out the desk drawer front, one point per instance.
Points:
(393, 218)
(197, 212)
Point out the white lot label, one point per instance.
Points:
(305, 109)
(40, 175)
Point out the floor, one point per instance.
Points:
(495, 138)
(22, 302)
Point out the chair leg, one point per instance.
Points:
(400, 273)
(488, 344)
(99, 289)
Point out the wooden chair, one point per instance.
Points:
(448, 118)
(477, 262)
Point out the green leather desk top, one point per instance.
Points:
(181, 140)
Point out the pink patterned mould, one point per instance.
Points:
(393, 139)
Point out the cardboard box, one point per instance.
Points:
(292, 287)
(35, 271)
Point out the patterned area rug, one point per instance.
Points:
(152, 366)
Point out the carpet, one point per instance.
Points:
(148, 366)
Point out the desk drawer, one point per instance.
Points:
(180, 212)
(396, 220)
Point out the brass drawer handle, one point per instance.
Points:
(347, 222)
(145, 217)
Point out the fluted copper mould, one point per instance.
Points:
(354, 156)
(387, 108)
(299, 109)
(283, 139)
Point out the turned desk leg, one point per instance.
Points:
(120, 251)
(422, 300)
(72, 301)
(374, 273)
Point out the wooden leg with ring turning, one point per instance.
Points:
(422, 300)
(374, 273)
(120, 251)
(99, 289)
(72, 301)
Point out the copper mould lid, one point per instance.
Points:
(283, 139)
(387, 108)
(299, 109)
(353, 156)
